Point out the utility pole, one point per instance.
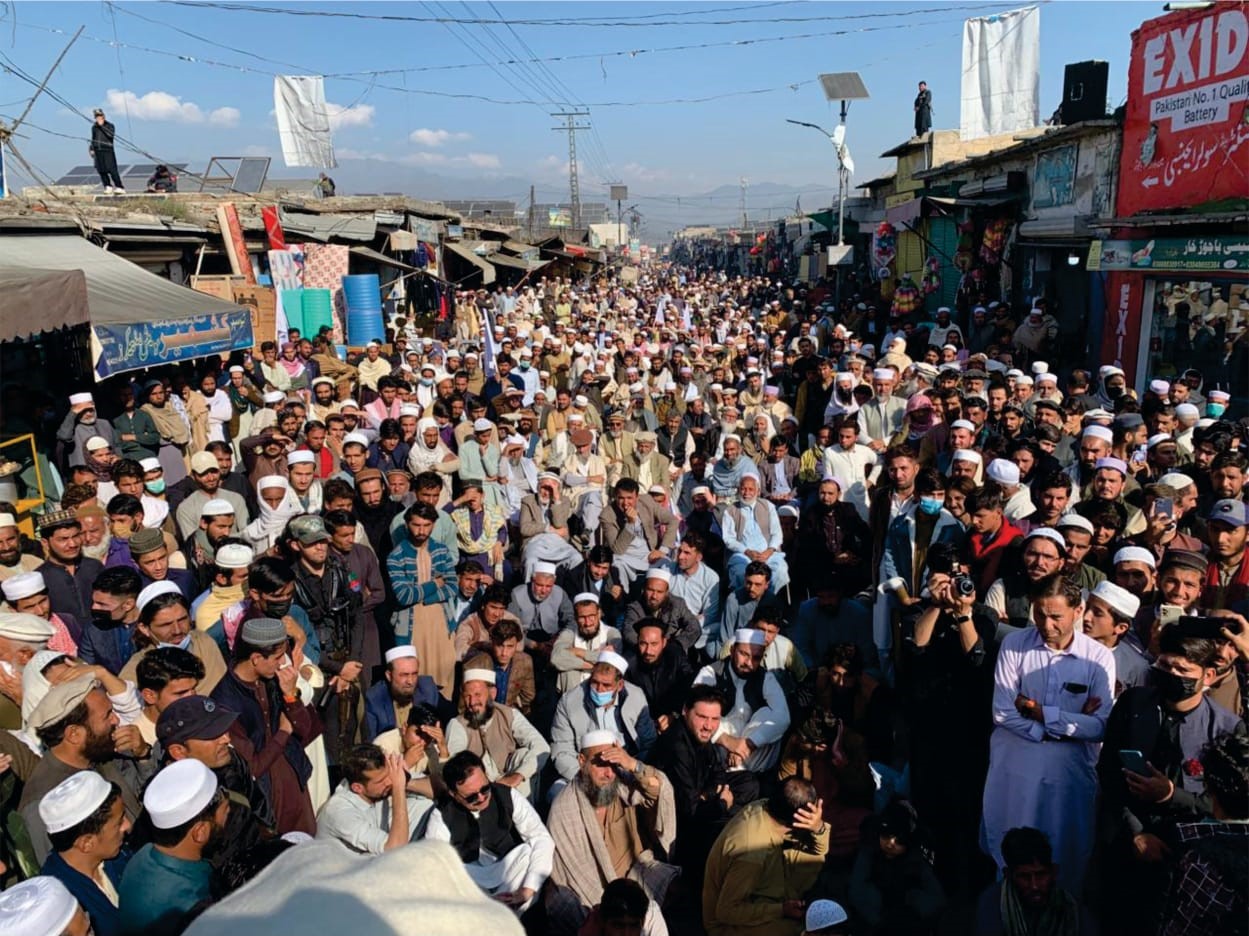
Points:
(745, 223)
(531, 214)
(571, 127)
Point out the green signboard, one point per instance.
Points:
(1213, 254)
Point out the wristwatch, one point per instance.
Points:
(961, 618)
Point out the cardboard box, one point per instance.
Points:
(262, 303)
(220, 285)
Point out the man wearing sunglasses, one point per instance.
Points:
(505, 847)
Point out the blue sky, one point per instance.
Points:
(185, 109)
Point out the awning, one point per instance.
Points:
(487, 271)
(515, 263)
(378, 257)
(322, 227)
(967, 202)
(41, 300)
(137, 319)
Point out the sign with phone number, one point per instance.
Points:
(1218, 254)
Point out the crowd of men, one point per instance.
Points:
(678, 604)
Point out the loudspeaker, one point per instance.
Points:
(1084, 91)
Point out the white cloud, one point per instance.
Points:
(484, 160)
(357, 115)
(346, 152)
(225, 117)
(637, 172)
(434, 138)
(155, 105)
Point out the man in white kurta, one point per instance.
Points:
(1053, 690)
(854, 463)
(747, 539)
(750, 732)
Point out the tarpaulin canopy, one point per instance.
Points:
(515, 263)
(487, 271)
(137, 318)
(41, 300)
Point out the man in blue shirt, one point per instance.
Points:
(169, 879)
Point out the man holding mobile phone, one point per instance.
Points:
(1167, 723)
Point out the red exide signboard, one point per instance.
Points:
(1186, 130)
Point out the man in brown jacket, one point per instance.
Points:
(639, 531)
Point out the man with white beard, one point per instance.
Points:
(518, 474)
(752, 532)
(881, 417)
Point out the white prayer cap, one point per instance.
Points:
(1113, 464)
(166, 587)
(78, 399)
(301, 457)
(238, 369)
(614, 659)
(40, 906)
(599, 738)
(7, 520)
(1158, 439)
(945, 309)
(23, 586)
(883, 373)
(27, 628)
(1121, 601)
(319, 381)
(1135, 554)
(749, 635)
(1052, 535)
(410, 409)
(1047, 378)
(994, 366)
(356, 438)
(657, 488)
(1098, 432)
(401, 652)
(373, 344)
(95, 443)
(845, 377)
(1039, 367)
(825, 914)
(478, 675)
(482, 425)
(544, 568)
(787, 510)
(949, 347)
(1023, 380)
(274, 396)
(659, 573)
(1176, 480)
(963, 424)
(581, 400)
(700, 489)
(898, 344)
(179, 793)
(1109, 370)
(1014, 372)
(73, 800)
(216, 507)
(346, 403)
(968, 455)
(586, 598)
(1003, 471)
(234, 556)
(514, 441)
(1160, 387)
(1187, 411)
(1073, 521)
(576, 418)
(1218, 396)
(150, 464)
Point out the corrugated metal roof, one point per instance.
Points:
(324, 227)
(487, 271)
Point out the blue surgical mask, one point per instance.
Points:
(184, 644)
(427, 381)
(931, 505)
(155, 487)
(601, 699)
(1215, 410)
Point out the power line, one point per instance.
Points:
(619, 22)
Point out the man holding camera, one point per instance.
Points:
(950, 684)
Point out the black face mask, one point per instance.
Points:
(1114, 391)
(102, 619)
(1173, 688)
(278, 609)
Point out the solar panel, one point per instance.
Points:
(85, 175)
(144, 170)
(251, 173)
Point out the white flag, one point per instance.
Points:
(303, 121)
(1001, 88)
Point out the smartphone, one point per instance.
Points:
(1138, 456)
(1168, 614)
(1164, 507)
(1134, 761)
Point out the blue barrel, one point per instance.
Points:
(318, 310)
(363, 293)
(293, 309)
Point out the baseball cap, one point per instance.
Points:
(309, 529)
(193, 718)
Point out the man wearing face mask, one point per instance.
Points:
(1168, 721)
(165, 621)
